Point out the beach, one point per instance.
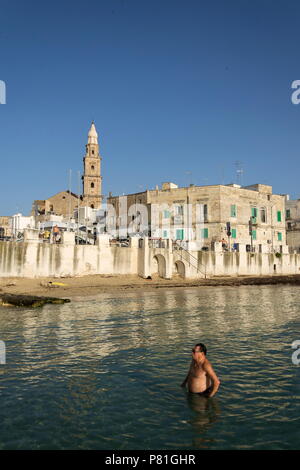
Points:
(90, 285)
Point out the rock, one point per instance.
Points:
(29, 300)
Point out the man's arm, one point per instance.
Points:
(211, 374)
(186, 379)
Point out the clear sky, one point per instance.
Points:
(179, 91)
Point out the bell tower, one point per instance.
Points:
(92, 179)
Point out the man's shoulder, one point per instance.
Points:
(206, 363)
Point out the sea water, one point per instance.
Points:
(105, 372)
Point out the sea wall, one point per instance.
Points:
(32, 258)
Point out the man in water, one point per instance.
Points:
(201, 378)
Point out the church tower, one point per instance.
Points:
(92, 179)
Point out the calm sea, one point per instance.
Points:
(105, 373)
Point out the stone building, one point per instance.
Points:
(65, 203)
(5, 227)
(293, 224)
(207, 214)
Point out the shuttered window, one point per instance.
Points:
(233, 210)
(179, 234)
(254, 214)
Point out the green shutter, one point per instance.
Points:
(165, 235)
(279, 236)
(179, 234)
(288, 213)
(204, 233)
(166, 214)
(254, 234)
(233, 233)
(254, 214)
(278, 216)
(233, 210)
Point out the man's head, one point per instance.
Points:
(199, 350)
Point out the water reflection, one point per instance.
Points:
(205, 412)
(85, 359)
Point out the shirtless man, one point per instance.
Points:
(201, 377)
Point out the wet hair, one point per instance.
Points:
(202, 347)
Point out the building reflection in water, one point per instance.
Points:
(164, 320)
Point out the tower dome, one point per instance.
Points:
(92, 135)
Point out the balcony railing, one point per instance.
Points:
(158, 243)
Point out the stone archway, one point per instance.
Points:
(179, 268)
(159, 265)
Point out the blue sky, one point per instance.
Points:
(179, 91)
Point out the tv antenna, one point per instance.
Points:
(239, 172)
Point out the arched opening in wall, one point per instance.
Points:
(179, 269)
(92, 206)
(159, 265)
(92, 167)
(92, 185)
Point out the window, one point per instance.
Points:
(93, 152)
(92, 206)
(201, 212)
(233, 233)
(278, 216)
(165, 234)
(92, 185)
(288, 213)
(254, 234)
(166, 214)
(279, 236)
(263, 217)
(204, 233)
(233, 210)
(254, 214)
(179, 234)
(179, 210)
(205, 212)
(92, 167)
